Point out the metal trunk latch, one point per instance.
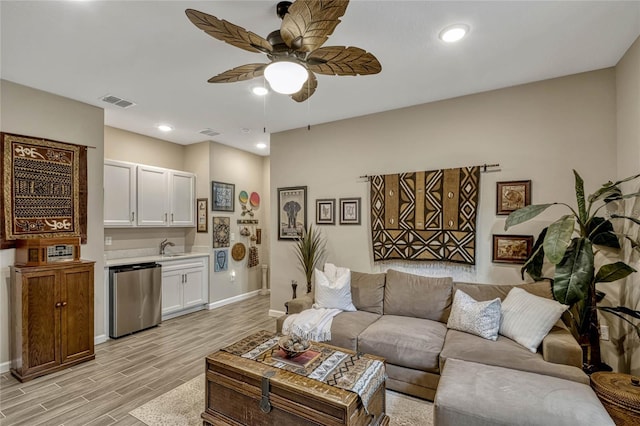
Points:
(265, 405)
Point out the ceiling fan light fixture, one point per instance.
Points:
(286, 77)
(454, 33)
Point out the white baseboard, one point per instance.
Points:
(4, 366)
(238, 298)
(185, 312)
(276, 314)
(100, 339)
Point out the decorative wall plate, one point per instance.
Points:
(238, 251)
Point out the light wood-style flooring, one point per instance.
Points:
(130, 371)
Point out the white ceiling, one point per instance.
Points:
(148, 52)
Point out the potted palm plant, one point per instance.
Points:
(570, 244)
(310, 249)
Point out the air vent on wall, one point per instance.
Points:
(209, 132)
(119, 102)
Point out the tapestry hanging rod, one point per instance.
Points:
(483, 168)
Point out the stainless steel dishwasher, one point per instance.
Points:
(135, 298)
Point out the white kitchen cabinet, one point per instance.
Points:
(182, 198)
(185, 285)
(119, 194)
(153, 196)
(147, 196)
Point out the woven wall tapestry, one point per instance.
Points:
(425, 215)
(44, 189)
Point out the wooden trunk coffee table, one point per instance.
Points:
(234, 393)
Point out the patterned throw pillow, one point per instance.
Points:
(470, 316)
(333, 288)
(527, 318)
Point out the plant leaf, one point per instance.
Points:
(613, 272)
(610, 187)
(533, 265)
(623, 310)
(632, 219)
(524, 214)
(582, 205)
(558, 238)
(574, 273)
(600, 232)
(620, 196)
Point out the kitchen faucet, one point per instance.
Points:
(164, 244)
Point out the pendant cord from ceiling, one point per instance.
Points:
(308, 108)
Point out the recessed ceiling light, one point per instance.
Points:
(261, 145)
(165, 127)
(454, 33)
(260, 91)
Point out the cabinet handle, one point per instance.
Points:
(171, 217)
(165, 217)
(64, 304)
(133, 216)
(58, 304)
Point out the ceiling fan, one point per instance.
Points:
(294, 50)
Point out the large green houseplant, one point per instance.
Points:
(570, 245)
(310, 249)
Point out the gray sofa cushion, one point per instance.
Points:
(483, 292)
(418, 297)
(504, 352)
(367, 291)
(405, 341)
(346, 327)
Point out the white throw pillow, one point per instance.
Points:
(471, 316)
(333, 288)
(527, 318)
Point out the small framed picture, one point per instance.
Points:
(325, 211)
(203, 215)
(221, 234)
(292, 212)
(221, 260)
(222, 196)
(350, 211)
(512, 196)
(512, 248)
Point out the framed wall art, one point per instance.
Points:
(350, 211)
(512, 196)
(202, 215)
(222, 196)
(221, 226)
(512, 248)
(292, 212)
(325, 212)
(221, 260)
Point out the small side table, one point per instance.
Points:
(620, 395)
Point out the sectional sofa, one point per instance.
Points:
(403, 318)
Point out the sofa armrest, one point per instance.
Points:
(295, 306)
(560, 347)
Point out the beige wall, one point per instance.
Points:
(628, 126)
(245, 170)
(537, 131)
(197, 161)
(128, 146)
(31, 112)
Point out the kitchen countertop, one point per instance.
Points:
(156, 258)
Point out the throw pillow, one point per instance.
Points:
(527, 318)
(333, 288)
(470, 316)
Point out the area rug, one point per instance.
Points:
(183, 405)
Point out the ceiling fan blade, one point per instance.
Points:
(228, 32)
(340, 60)
(310, 22)
(308, 89)
(241, 73)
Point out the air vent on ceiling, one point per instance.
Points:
(209, 132)
(119, 102)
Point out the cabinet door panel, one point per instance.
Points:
(119, 194)
(76, 313)
(182, 199)
(153, 196)
(41, 346)
(193, 288)
(171, 291)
